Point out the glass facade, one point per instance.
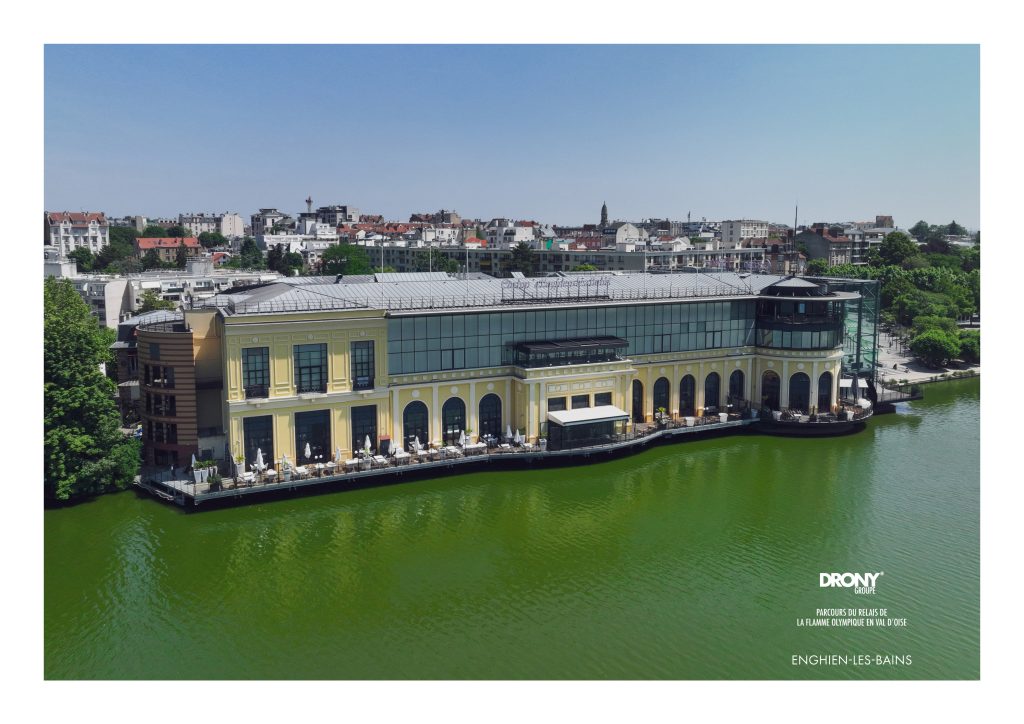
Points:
(712, 392)
(556, 404)
(364, 424)
(256, 371)
(579, 401)
(687, 388)
(258, 434)
(490, 415)
(638, 401)
(415, 424)
(431, 343)
(825, 392)
(662, 395)
(453, 419)
(860, 343)
(362, 365)
(602, 398)
(736, 385)
(314, 429)
(770, 386)
(800, 392)
(310, 367)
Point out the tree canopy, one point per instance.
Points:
(346, 259)
(433, 259)
(83, 258)
(84, 451)
(896, 249)
(523, 259)
(211, 239)
(151, 301)
(152, 231)
(935, 348)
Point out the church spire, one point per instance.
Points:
(604, 215)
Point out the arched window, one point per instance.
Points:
(453, 419)
(825, 392)
(415, 424)
(687, 390)
(490, 415)
(770, 385)
(736, 385)
(800, 392)
(661, 395)
(638, 401)
(712, 391)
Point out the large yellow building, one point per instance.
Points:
(328, 363)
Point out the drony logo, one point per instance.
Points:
(859, 582)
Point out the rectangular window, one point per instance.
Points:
(310, 367)
(602, 398)
(556, 403)
(362, 365)
(258, 434)
(313, 429)
(256, 371)
(154, 351)
(579, 401)
(364, 425)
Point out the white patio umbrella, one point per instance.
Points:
(193, 461)
(508, 431)
(337, 454)
(517, 439)
(308, 452)
(462, 438)
(284, 461)
(416, 443)
(259, 459)
(366, 444)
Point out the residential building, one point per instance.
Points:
(70, 230)
(337, 215)
(166, 247)
(130, 222)
(735, 231)
(267, 221)
(827, 243)
(324, 365)
(507, 234)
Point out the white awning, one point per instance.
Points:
(579, 416)
(846, 382)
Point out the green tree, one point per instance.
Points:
(83, 448)
(151, 301)
(151, 260)
(181, 257)
(924, 322)
(124, 235)
(954, 229)
(920, 230)
(523, 259)
(935, 348)
(970, 346)
(83, 259)
(817, 267)
(177, 231)
(250, 256)
(211, 239)
(584, 268)
(896, 249)
(970, 258)
(152, 231)
(346, 259)
(433, 259)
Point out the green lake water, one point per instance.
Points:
(687, 561)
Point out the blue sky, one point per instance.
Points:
(541, 132)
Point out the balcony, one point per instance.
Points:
(308, 387)
(362, 383)
(256, 391)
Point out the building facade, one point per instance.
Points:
(70, 230)
(428, 357)
(735, 231)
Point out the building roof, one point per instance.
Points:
(166, 242)
(448, 292)
(75, 217)
(580, 416)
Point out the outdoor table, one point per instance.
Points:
(402, 458)
(271, 475)
(330, 467)
(423, 454)
(505, 447)
(301, 472)
(353, 463)
(451, 450)
(319, 469)
(380, 460)
(528, 446)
